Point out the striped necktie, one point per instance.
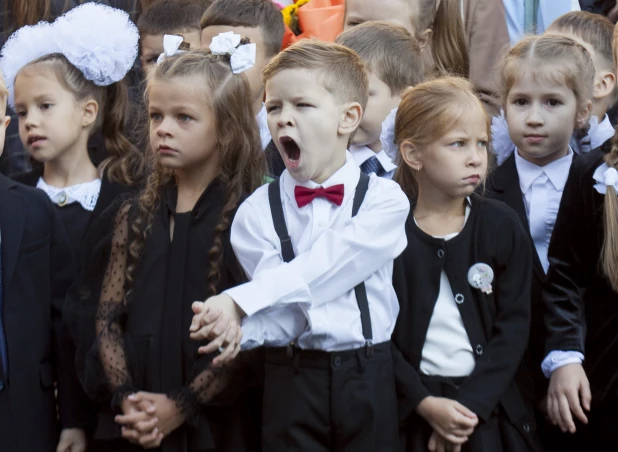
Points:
(372, 165)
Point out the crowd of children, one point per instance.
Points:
(334, 247)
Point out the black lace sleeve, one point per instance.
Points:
(220, 385)
(109, 344)
(95, 308)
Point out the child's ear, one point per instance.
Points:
(7, 121)
(604, 84)
(410, 155)
(351, 118)
(424, 38)
(90, 110)
(583, 115)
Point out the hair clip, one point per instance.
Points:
(242, 57)
(172, 45)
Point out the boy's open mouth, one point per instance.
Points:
(291, 151)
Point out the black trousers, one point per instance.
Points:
(8, 441)
(341, 401)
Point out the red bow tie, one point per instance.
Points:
(305, 195)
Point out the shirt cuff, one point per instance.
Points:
(558, 358)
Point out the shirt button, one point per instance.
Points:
(459, 298)
(526, 428)
(440, 253)
(479, 350)
(337, 361)
(320, 224)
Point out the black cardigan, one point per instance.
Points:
(497, 324)
(574, 257)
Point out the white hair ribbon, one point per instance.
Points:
(605, 177)
(242, 57)
(501, 142)
(171, 46)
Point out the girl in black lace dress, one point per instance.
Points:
(170, 247)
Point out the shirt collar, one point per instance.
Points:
(348, 175)
(600, 132)
(363, 153)
(557, 171)
(262, 120)
(86, 194)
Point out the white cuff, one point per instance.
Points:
(558, 358)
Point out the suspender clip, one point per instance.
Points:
(369, 348)
(289, 350)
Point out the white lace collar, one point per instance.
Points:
(604, 177)
(85, 194)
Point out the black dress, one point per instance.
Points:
(582, 307)
(77, 220)
(497, 326)
(145, 341)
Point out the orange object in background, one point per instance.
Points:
(321, 19)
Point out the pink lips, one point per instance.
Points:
(534, 139)
(166, 150)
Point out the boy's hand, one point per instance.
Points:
(567, 387)
(72, 440)
(437, 443)
(217, 320)
(449, 418)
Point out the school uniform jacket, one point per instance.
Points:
(503, 185)
(575, 282)
(497, 324)
(36, 272)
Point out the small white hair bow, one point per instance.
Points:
(171, 46)
(501, 142)
(242, 57)
(605, 177)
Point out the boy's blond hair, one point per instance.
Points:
(389, 51)
(339, 69)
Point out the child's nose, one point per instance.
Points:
(534, 116)
(285, 118)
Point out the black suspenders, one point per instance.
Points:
(287, 252)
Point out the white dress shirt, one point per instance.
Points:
(262, 120)
(447, 350)
(600, 132)
(542, 188)
(311, 300)
(363, 153)
(549, 10)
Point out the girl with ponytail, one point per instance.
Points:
(581, 298)
(65, 84)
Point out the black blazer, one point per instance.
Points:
(576, 284)
(503, 185)
(497, 324)
(37, 268)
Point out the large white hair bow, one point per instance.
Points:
(387, 137)
(97, 39)
(171, 46)
(501, 142)
(242, 57)
(605, 177)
